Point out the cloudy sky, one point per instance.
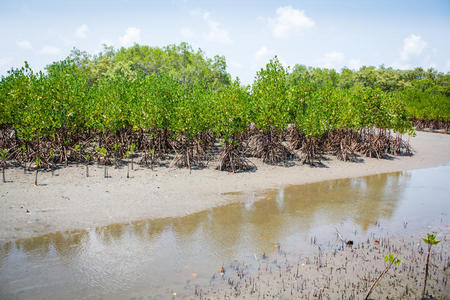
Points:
(332, 34)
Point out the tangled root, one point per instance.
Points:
(311, 151)
(189, 152)
(343, 143)
(295, 138)
(268, 146)
(233, 160)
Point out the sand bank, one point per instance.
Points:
(69, 200)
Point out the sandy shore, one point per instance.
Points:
(69, 200)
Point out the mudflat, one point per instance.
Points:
(68, 200)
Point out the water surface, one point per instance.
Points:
(150, 259)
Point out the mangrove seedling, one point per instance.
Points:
(77, 149)
(38, 165)
(152, 155)
(3, 157)
(131, 152)
(430, 240)
(87, 158)
(116, 148)
(390, 260)
(102, 152)
(52, 155)
(127, 155)
(23, 151)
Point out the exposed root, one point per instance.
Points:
(155, 145)
(268, 146)
(399, 146)
(232, 159)
(295, 138)
(311, 151)
(189, 152)
(343, 143)
(432, 124)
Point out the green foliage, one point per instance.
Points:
(270, 105)
(424, 93)
(179, 61)
(101, 151)
(230, 111)
(391, 258)
(431, 239)
(37, 162)
(3, 155)
(425, 105)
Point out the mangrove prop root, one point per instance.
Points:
(432, 124)
(155, 145)
(233, 160)
(268, 146)
(310, 151)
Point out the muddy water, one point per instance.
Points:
(152, 259)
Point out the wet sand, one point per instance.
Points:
(68, 200)
(347, 273)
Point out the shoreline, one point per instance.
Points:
(68, 200)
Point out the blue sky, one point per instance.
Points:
(333, 34)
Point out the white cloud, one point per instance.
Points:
(332, 59)
(354, 64)
(132, 35)
(186, 32)
(24, 44)
(262, 53)
(289, 21)
(50, 50)
(216, 33)
(413, 45)
(82, 31)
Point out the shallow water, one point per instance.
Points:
(150, 259)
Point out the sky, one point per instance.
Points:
(319, 33)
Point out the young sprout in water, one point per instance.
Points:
(3, 157)
(430, 240)
(390, 260)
